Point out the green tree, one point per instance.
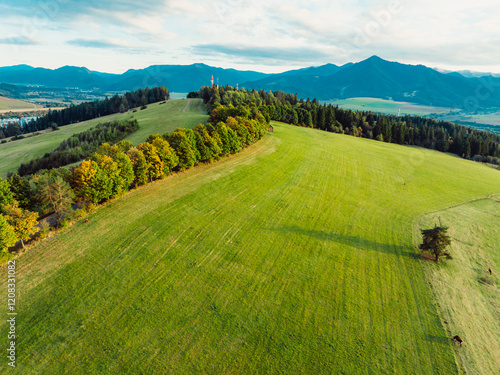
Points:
(6, 195)
(139, 165)
(166, 154)
(23, 221)
(153, 161)
(107, 179)
(183, 147)
(21, 189)
(7, 235)
(435, 241)
(56, 194)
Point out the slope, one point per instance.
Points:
(157, 118)
(468, 296)
(295, 256)
(8, 104)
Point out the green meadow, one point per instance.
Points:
(157, 118)
(467, 295)
(8, 104)
(295, 256)
(389, 106)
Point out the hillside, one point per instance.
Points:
(157, 118)
(8, 104)
(294, 256)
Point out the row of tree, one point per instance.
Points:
(91, 110)
(404, 130)
(112, 169)
(80, 145)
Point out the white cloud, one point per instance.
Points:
(442, 33)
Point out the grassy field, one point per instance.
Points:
(467, 296)
(157, 118)
(8, 104)
(294, 256)
(388, 106)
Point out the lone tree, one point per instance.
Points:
(435, 241)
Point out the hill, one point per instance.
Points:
(378, 78)
(157, 118)
(179, 78)
(294, 256)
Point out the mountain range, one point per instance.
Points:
(373, 77)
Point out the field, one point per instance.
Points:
(389, 106)
(157, 118)
(8, 105)
(468, 297)
(294, 256)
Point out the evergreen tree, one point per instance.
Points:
(435, 241)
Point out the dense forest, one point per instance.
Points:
(405, 130)
(80, 146)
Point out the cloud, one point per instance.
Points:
(271, 55)
(19, 41)
(107, 44)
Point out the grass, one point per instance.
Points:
(294, 256)
(8, 104)
(389, 106)
(467, 296)
(157, 118)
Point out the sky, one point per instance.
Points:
(267, 36)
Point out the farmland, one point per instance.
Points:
(294, 256)
(157, 118)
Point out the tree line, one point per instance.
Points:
(98, 108)
(405, 130)
(80, 145)
(112, 170)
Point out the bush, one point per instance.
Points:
(65, 223)
(44, 229)
(79, 213)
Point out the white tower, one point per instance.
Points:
(212, 81)
(217, 83)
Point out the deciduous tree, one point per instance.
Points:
(23, 221)
(7, 235)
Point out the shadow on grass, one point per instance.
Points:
(353, 241)
(438, 339)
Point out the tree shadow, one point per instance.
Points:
(353, 241)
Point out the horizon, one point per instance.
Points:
(113, 37)
(439, 69)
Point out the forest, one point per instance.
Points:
(405, 130)
(80, 146)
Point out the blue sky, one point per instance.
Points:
(268, 36)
